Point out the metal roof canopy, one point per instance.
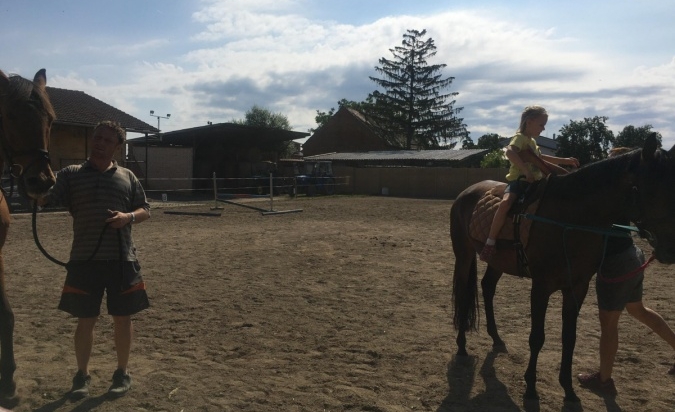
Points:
(423, 155)
(231, 133)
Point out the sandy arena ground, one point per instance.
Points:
(345, 306)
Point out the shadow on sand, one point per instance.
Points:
(461, 375)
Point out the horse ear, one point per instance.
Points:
(4, 80)
(650, 146)
(41, 78)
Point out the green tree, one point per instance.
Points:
(632, 136)
(260, 117)
(587, 140)
(495, 158)
(467, 142)
(413, 109)
(489, 141)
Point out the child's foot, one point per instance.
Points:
(487, 253)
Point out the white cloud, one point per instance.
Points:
(246, 52)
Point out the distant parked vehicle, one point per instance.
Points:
(317, 178)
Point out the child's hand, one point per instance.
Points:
(572, 161)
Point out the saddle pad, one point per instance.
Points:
(484, 212)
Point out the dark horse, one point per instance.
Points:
(26, 116)
(562, 250)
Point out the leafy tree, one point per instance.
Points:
(587, 140)
(260, 117)
(495, 158)
(489, 141)
(632, 136)
(413, 110)
(467, 142)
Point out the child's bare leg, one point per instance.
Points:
(497, 223)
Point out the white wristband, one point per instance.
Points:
(133, 217)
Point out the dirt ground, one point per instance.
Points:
(345, 306)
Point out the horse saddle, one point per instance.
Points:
(484, 212)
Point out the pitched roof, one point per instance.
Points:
(78, 108)
(231, 133)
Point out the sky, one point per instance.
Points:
(211, 60)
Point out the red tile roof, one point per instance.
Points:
(76, 107)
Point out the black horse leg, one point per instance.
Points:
(489, 287)
(570, 314)
(538, 305)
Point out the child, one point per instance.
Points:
(521, 173)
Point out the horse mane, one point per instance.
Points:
(594, 176)
(24, 89)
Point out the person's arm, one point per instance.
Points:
(569, 161)
(118, 219)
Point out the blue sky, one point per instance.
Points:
(211, 60)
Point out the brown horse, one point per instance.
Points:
(566, 244)
(26, 116)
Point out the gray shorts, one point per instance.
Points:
(615, 295)
(87, 281)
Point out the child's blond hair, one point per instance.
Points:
(530, 112)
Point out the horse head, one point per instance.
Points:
(654, 197)
(26, 117)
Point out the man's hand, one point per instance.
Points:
(117, 219)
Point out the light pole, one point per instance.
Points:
(152, 113)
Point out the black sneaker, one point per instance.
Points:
(121, 383)
(80, 387)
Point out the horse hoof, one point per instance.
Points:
(9, 402)
(572, 398)
(499, 348)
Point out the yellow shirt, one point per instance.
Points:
(522, 142)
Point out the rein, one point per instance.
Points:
(616, 230)
(53, 259)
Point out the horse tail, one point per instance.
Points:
(465, 276)
(465, 300)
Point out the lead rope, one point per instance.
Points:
(53, 259)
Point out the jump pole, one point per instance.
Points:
(215, 194)
(264, 212)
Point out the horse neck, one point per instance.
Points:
(595, 195)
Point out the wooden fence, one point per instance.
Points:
(421, 182)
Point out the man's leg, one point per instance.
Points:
(124, 330)
(84, 341)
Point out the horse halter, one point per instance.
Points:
(637, 213)
(16, 170)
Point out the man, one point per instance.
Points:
(105, 200)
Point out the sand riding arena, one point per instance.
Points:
(345, 306)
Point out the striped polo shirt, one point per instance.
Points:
(88, 194)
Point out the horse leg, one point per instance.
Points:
(539, 298)
(572, 302)
(8, 396)
(489, 287)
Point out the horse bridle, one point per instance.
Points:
(636, 213)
